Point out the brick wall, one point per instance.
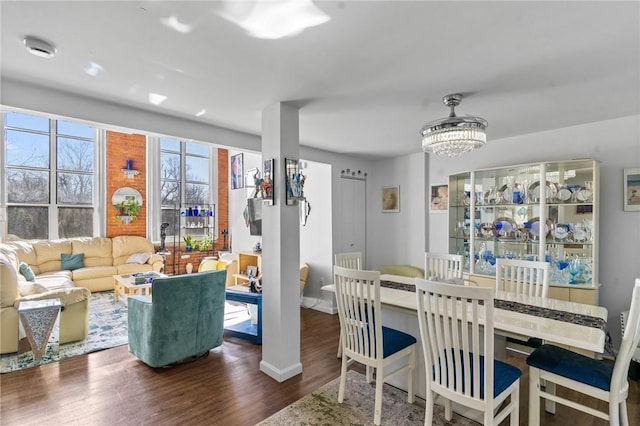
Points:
(222, 204)
(120, 148)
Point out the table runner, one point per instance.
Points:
(538, 311)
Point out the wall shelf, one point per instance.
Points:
(130, 173)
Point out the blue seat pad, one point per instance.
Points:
(394, 341)
(503, 375)
(572, 365)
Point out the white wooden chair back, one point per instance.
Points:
(441, 266)
(523, 277)
(618, 390)
(348, 260)
(451, 320)
(358, 297)
(630, 341)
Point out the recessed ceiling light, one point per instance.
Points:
(93, 68)
(172, 22)
(201, 112)
(39, 47)
(156, 99)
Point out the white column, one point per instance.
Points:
(280, 251)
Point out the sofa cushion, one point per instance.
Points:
(72, 261)
(8, 282)
(49, 255)
(21, 251)
(27, 272)
(132, 268)
(94, 272)
(139, 258)
(97, 251)
(126, 245)
(55, 280)
(28, 288)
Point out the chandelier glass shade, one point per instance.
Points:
(454, 135)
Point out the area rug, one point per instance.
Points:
(107, 329)
(321, 408)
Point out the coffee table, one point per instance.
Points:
(125, 286)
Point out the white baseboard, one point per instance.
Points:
(321, 305)
(280, 374)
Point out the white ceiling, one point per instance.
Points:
(365, 82)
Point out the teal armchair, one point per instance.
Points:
(184, 319)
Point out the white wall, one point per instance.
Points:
(241, 240)
(397, 238)
(315, 247)
(616, 145)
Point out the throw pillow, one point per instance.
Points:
(72, 261)
(29, 288)
(27, 272)
(140, 258)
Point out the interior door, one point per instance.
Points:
(353, 223)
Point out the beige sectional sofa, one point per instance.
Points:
(102, 258)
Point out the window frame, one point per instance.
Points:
(52, 206)
(154, 168)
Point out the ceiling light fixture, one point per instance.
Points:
(39, 47)
(454, 135)
(268, 19)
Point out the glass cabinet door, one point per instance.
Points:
(542, 211)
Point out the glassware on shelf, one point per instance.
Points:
(560, 271)
(576, 271)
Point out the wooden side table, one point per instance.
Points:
(37, 318)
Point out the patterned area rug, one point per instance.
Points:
(107, 329)
(321, 407)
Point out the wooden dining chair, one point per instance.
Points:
(364, 339)
(348, 260)
(351, 260)
(585, 375)
(440, 266)
(456, 329)
(523, 277)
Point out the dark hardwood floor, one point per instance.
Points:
(112, 387)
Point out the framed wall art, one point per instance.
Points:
(294, 182)
(632, 190)
(390, 199)
(439, 199)
(267, 182)
(237, 171)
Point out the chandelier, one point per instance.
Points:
(453, 135)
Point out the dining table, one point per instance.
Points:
(571, 324)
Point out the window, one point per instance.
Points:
(49, 174)
(185, 178)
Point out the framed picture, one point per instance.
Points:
(267, 182)
(439, 200)
(237, 171)
(390, 199)
(632, 190)
(294, 182)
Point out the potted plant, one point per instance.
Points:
(188, 241)
(205, 243)
(128, 209)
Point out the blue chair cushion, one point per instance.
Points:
(394, 341)
(503, 375)
(572, 365)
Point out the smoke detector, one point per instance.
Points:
(39, 47)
